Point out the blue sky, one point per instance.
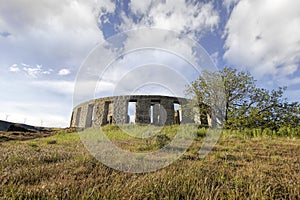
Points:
(43, 44)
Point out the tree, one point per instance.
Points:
(245, 105)
(274, 110)
(239, 87)
(208, 97)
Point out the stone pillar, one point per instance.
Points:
(99, 113)
(77, 118)
(168, 107)
(103, 109)
(81, 114)
(120, 109)
(142, 114)
(187, 114)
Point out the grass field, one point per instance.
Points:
(239, 167)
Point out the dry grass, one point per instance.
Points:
(18, 135)
(7, 136)
(239, 167)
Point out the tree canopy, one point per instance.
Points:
(234, 94)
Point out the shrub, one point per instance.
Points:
(162, 140)
(201, 132)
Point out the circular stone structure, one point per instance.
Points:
(145, 109)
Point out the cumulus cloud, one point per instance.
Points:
(50, 32)
(140, 6)
(30, 71)
(229, 3)
(183, 18)
(14, 68)
(264, 37)
(191, 18)
(64, 72)
(34, 71)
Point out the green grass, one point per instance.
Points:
(284, 131)
(241, 166)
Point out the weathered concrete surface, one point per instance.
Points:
(155, 109)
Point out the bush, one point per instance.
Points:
(162, 140)
(201, 132)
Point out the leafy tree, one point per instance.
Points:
(207, 93)
(239, 87)
(245, 105)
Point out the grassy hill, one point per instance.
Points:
(239, 167)
(16, 131)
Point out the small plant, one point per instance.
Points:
(201, 132)
(51, 142)
(162, 140)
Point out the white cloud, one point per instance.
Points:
(140, 6)
(45, 35)
(182, 18)
(50, 32)
(14, 68)
(264, 37)
(229, 3)
(64, 72)
(47, 72)
(187, 17)
(30, 71)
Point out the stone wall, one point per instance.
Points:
(158, 110)
(80, 114)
